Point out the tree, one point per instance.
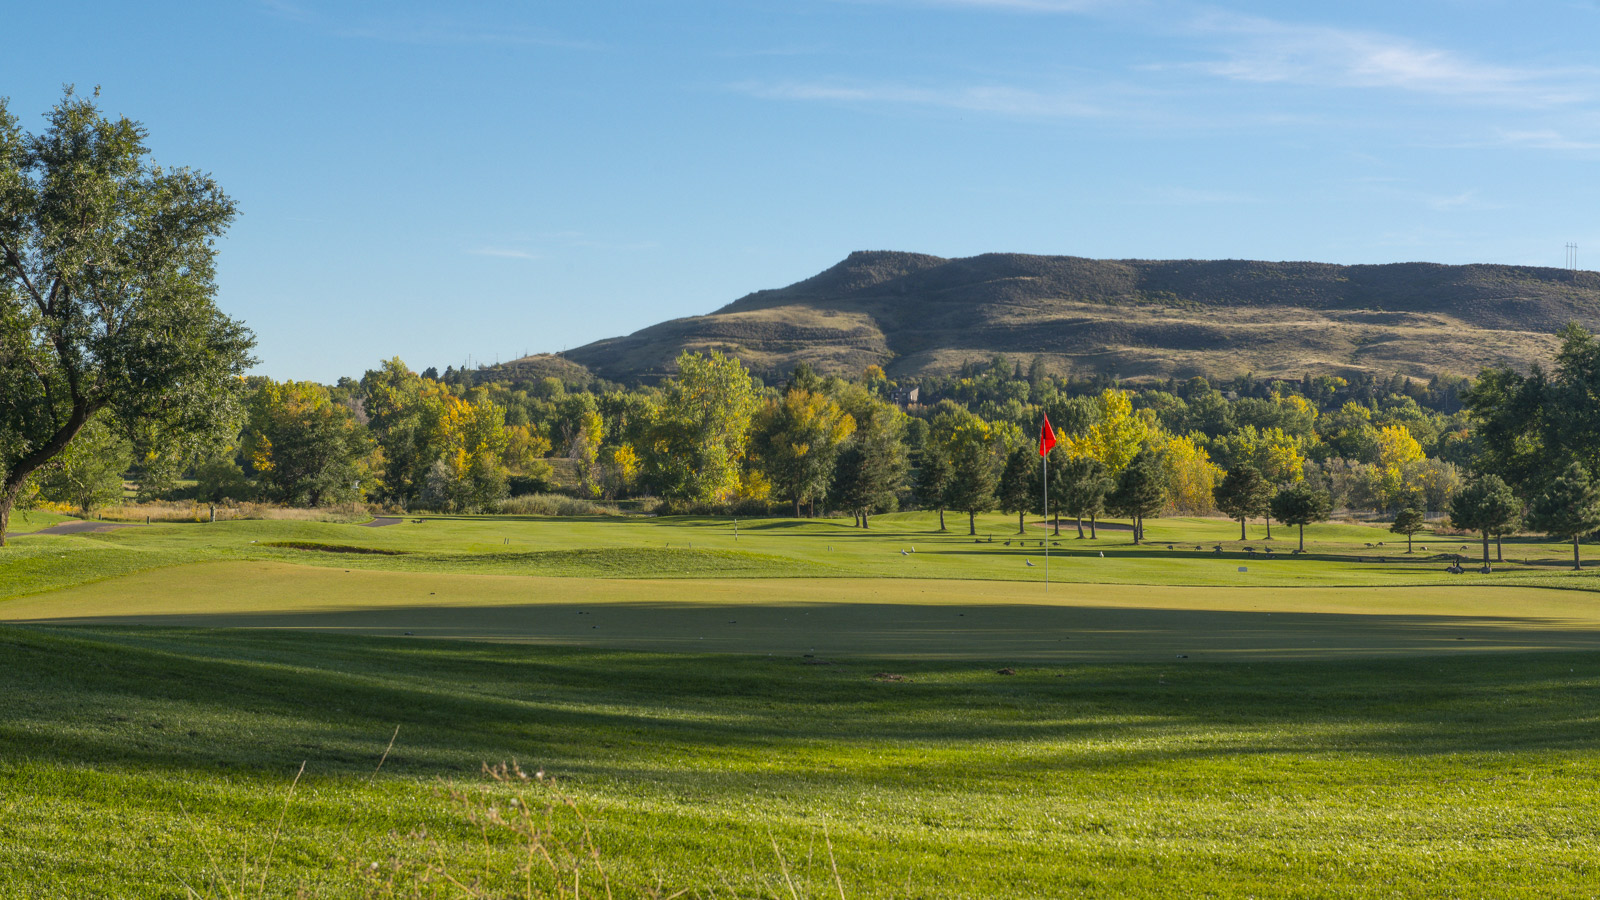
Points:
(797, 440)
(1084, 486)
(933, 479)
(1019, 485)
(972, 471)
(1487, 506)
(1243, 493)
(1408, 522)
(1116, 435)
(106, 293)
(700, 429)
(1141, 491)
(1191, 474)
(1300, 504)
(872, 467)
(1568, 507)
(305, 449)
(89, 472)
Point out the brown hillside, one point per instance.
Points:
(914, 314)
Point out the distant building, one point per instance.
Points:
(904, 396)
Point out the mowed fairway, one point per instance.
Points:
(1351, 723)
(880, 618)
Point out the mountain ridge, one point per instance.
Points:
(917, 314)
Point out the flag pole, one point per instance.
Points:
(1046, 493)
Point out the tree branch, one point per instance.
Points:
(15, 262)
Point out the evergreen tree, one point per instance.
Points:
(1084, 484)
(1486, 506)
(1020, 485)
(1243, 493)
(1408, 522)
(1568, 507)
(972, 472)
(1301, 504)
(1141, 491)
(933, 479)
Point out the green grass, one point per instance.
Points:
(127, 755)
(1350, 723)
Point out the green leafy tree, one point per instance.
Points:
(1020, 488)
(797, 440)
(972, 471)
(88, 474)
(933, 479)
(1300, 505)
(700, 430)
(1487, 506)
(1080, 487)
(219, 479)
(1141, 491)
(305, 449)
(1408, 522)
(1243, 493)
(1569, 507)
(106, 293)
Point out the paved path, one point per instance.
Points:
(80, 527)
(381, 521)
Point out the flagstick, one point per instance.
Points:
(1047, 522)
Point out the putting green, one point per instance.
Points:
(833, 617)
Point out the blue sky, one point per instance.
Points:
(478, 179)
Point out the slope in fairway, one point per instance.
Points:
(885, 618)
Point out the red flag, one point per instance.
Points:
(1047, 437)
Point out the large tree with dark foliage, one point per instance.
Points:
(107, 294)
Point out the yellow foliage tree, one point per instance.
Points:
(1397, 451)
(1116, 437)
(1191, 476)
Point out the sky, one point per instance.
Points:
(472, 181)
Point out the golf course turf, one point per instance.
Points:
(734, 714)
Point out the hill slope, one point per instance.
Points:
(913, 314)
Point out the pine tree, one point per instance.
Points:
(1408, 522)
(1569, 507)
(1301, 504)
(933, 479)
(1019, 485)
(1141, 491)
(1243, 493)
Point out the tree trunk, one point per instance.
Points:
(8, 499)
(941, 519)
(1269, 527)
(1136, 524)
(1080, 528)
(1302, 537)
(1241, 529)
(1022, 523)
(1408, 543)
(1577, 564)
(1093, 534)
(797, 506)
(864, 524)
(972, 523)
(1486, 549)
(1058, 525)
(1499, 555)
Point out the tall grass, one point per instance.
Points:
(554, 505)
(195, 511)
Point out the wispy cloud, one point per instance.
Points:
(1268, 51)
(1546, 139)
(502, 253)
(998, 99)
